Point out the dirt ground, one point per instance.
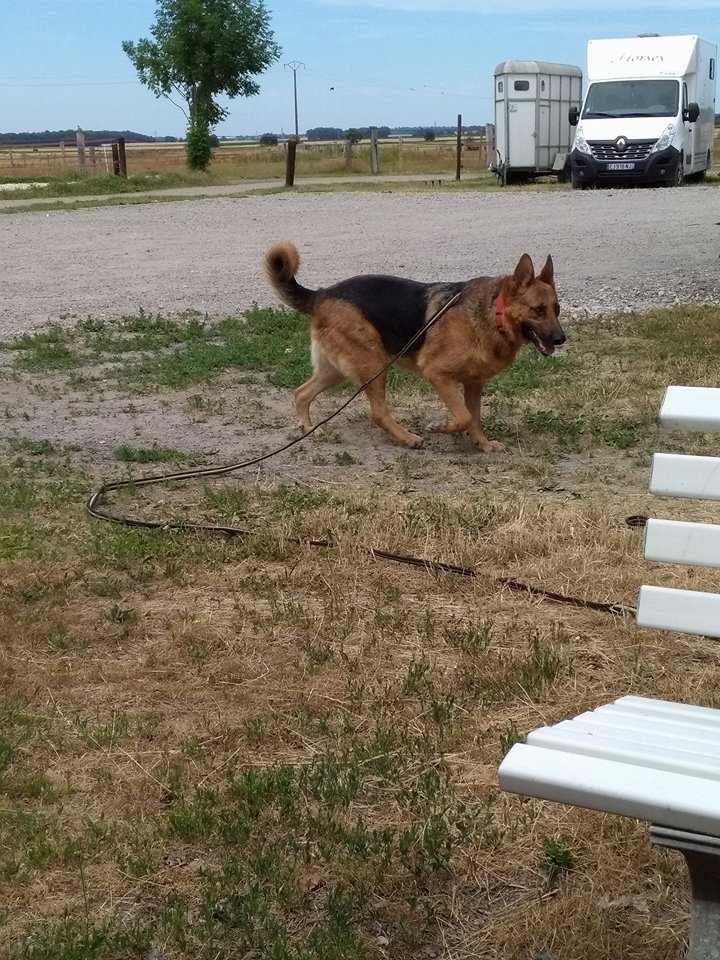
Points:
(194, 639)
(612, 250)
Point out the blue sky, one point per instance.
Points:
(366, 62)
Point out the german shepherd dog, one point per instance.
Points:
(358, 325)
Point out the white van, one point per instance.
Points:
(649, 112)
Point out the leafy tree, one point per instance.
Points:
(354, 135)
(324, 133)
(200, 50)
(268, 140)
(429, 135)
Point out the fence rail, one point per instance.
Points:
(245, 159)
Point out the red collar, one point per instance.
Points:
(499, 307)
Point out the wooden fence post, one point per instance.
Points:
(80, 139)
(91, 159)
(348, 155)
(116, 158)
(490, 146)
(121, 156)
(458, 166)
(374, 159)
(290, 165)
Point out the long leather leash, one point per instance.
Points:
(96, 506)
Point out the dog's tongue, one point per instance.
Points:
(543, 348)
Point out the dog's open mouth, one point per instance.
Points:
(545, 347)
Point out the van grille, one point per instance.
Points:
(637, 150)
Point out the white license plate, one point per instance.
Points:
(621, 166)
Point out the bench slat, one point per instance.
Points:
(658, 796)
(677, 711)
(687, 611)
(679, 541)
(691, 408)
(613, 725)
(683, 737)
(643, 751)
(661, 711)
(680, 475)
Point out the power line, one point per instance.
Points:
(405, 88)
(67, 83)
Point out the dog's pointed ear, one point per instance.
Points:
(548, 272)
(524, 271)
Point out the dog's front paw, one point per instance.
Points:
(413, 441)
(439, 427)
(491, 446)
(305, 430)
(451, 426)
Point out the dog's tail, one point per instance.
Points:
(281, 264)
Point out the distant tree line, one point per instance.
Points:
(362, 133)
(56, 136)
(354, 134)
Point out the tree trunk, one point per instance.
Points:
(199, 147)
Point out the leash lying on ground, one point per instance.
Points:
(96, 507)
(94, 502)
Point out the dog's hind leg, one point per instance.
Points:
(325, 375)
(473, 401)
(381, 416)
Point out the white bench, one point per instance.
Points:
(674, 475)
(638, 757)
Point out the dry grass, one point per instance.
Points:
(222, 749)
(246, 160)
(233, 161)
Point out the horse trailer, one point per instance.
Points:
(533, 136)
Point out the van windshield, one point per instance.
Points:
(632, 98)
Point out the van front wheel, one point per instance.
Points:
(679, 178)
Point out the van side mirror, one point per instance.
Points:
(691, 113)
(573, 116)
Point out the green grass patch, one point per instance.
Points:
(76, 939)
(273, 340)
(154, 454)
(178, 352)
(575, 431)
(74, 184)
(35, 448)
(530, 372)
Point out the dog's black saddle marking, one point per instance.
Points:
(396, 307)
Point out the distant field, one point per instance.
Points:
(233, 159)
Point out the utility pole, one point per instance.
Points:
(295, 65)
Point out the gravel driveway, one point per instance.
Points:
(612, 249)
